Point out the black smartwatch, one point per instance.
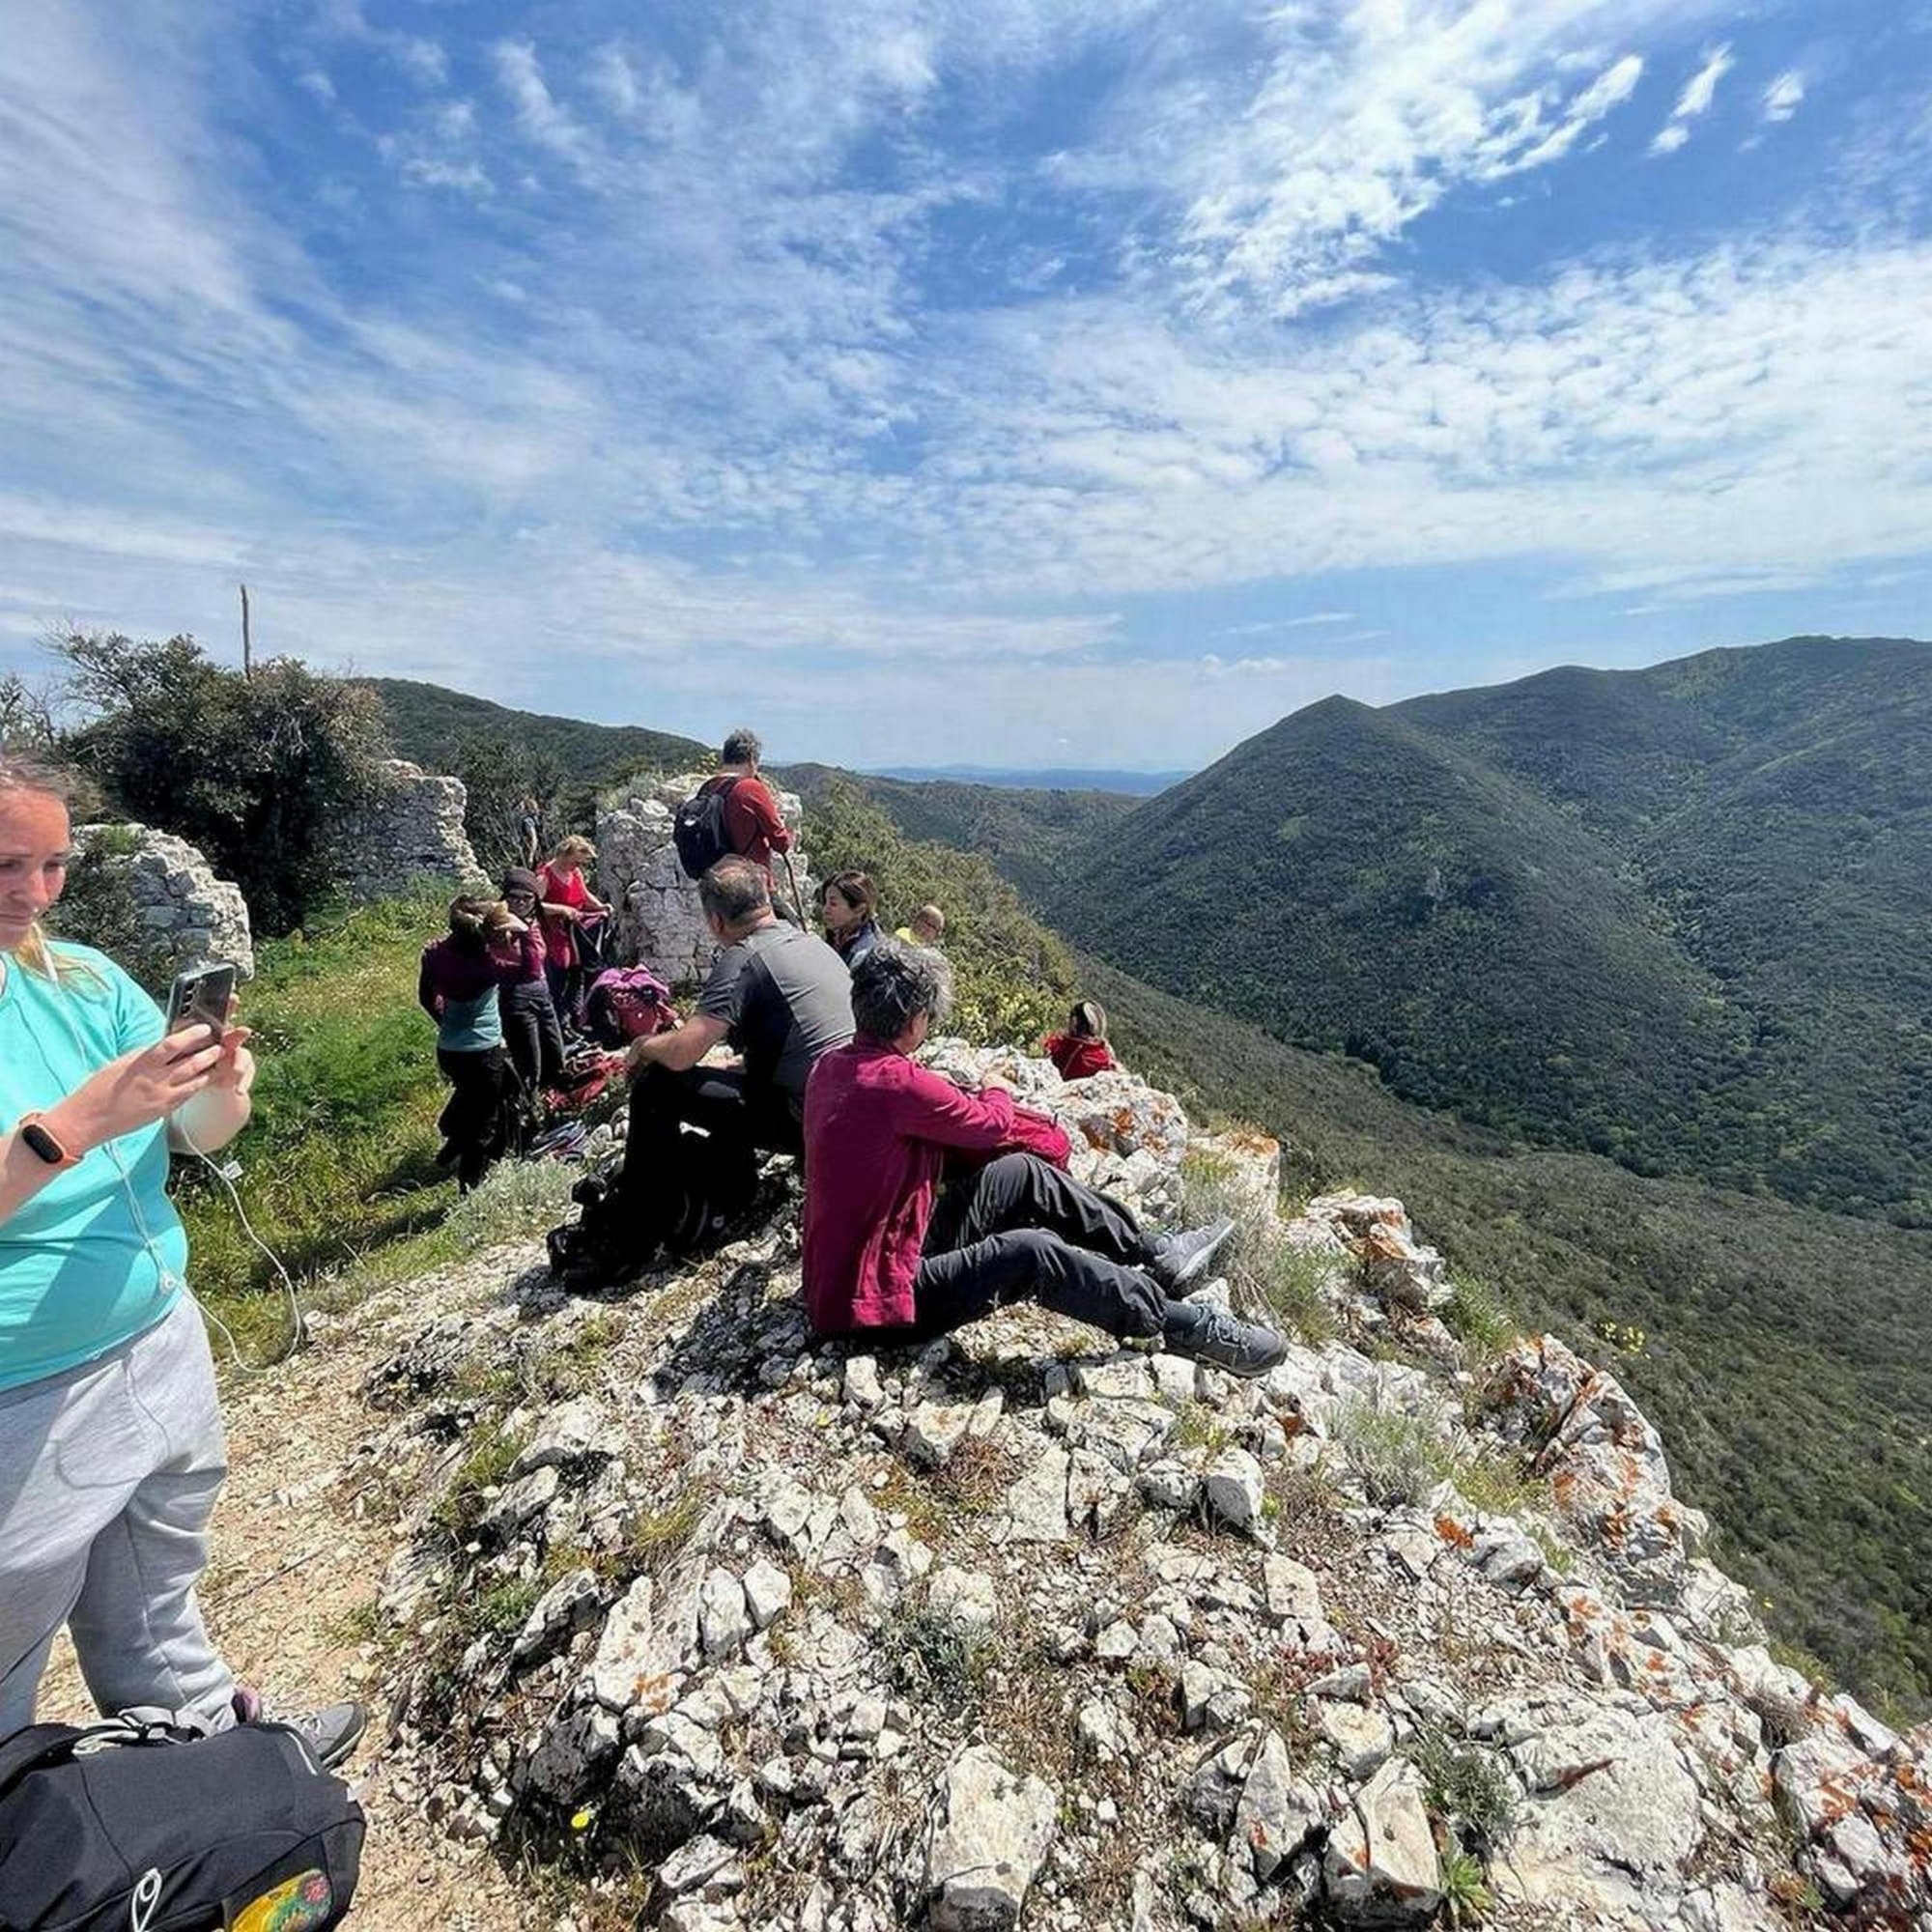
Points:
(42, 1144)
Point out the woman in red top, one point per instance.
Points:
(901, 1244)
(1082, 1049)
(571, 914)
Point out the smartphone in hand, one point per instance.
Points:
(201, 996)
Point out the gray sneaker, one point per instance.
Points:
(1177, 1261)
(1202, 1332)
(331, 1733)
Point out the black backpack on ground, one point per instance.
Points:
(140, 1826)
(684, 1211)
(698, 828)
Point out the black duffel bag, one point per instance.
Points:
(140, 1824)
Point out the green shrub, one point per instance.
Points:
(1267, 1278)
(259, 772)
(934, 1659)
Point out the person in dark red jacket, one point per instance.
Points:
(1082, 1049)
(896, 1249)
(751, 821)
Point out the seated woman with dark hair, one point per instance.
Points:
(848, 905)
(894, 1249)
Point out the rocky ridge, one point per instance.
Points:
(660, 918)
(1022, 1628)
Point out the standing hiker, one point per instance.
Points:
(111, 1449)
(572, 913)
(457, 985)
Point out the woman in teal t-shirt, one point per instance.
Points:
(111, 1451)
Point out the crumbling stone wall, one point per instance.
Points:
(152, 903)
(660, 921)
(413, 831)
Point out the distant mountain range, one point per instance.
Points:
(1053, 778)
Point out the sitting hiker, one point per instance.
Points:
(532, 1030)
(779, 997)
(927, 927)
(1082, 1049)
(848, 903)
(457, 987)
(894, 1250)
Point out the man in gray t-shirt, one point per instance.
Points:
(783, 997)
(780, 998)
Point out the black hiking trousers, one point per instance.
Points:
(662, 1164)
(533, 1034)
(1019, 1229)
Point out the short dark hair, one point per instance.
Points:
(741, 748)
(894, 983)
(855, 888)
(733, 890)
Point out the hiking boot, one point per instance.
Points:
(1203, 1333)
(331, 1733)
(1179, 1260)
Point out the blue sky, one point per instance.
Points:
(1070, 382)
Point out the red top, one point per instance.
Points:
(555, 888)
(877, 1129)
(751, 821)
(1078, 1054)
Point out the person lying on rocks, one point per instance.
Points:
(897, 1251)
(779, 997)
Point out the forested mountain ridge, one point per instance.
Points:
(1677, 916)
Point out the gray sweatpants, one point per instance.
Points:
(108, 1476)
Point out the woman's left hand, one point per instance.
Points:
(235, 1072)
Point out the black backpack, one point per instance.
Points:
(698, 829)
(138, 1826)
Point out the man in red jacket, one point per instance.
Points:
(893, 1244)
(751, 821)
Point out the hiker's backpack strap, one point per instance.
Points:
(42, 1745)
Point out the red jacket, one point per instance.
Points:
(877, 1131)
(751, 821)
(1078, 1054)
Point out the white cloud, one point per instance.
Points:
(1784, 95)
(539, 116)
(1695, 99)
(709, 425)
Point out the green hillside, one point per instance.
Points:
(1028, 835)
(1782, 1351)
(1674, 916)
(434, 726)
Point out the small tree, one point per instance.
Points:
(259, 771)
(499, 774)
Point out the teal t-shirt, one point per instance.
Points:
(77, 1277)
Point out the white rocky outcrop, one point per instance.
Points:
(1022, 1629)
(660, 921)
(185, 916)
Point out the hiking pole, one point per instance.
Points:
(797, 896)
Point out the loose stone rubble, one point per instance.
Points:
(1025, 1630)
(660, 921)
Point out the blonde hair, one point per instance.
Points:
(27, 772)
(576, 850)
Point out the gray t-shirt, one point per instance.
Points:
(785, 997)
